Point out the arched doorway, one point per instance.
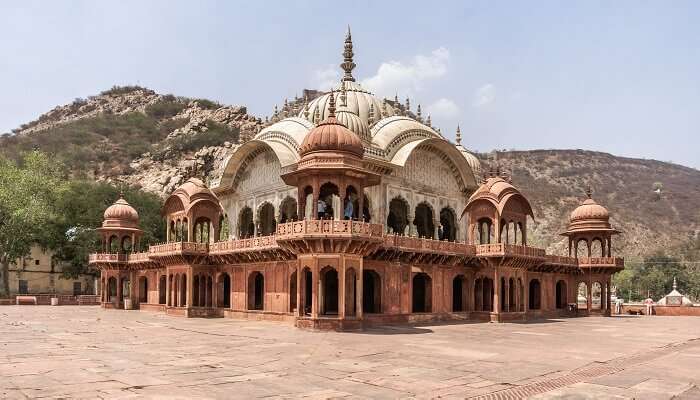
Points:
(561, 299)
(397, 219)
(371, 292)
(367, 217)
(425, 227)
(224, 228)
(582, 296)
(293, 292)
(112, 290)
(143, 289)
(449, 226)
(534, 302)
(224, 286)
(246, 228)
(350, 292)
(503, 298)
(162, 283)
(422, 293)
(459, 293)
(197, 291)
(183, 291)
(329, 291)
(511, 295)
(256, 291)
(306, 291)
(596, 296)
(266, 216)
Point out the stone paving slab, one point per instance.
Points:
(88, 352)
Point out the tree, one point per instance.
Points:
(29, 191)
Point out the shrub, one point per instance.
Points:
(164, 108)
(117, 90)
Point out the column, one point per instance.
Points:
(496, 292)
(341, 289)
(411, 228)
(608, 288)
(507, 299)
(359, 291)
(315, 292)
(589, 296)
(190, 290)
(436, 224)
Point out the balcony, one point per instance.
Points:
(601, 263)
(179, 253)
(107, 258)
(421, 250)
(506, 250)
(262, 248)
(329, 236)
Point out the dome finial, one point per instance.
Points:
(331, 106)
(589, 191)
(348, 65)
(429, 121)
(458, 135)
(674, 283)
(419, 114)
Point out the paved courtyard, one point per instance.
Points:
(87, 352)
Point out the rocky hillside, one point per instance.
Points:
(145, 139)
(655, 204)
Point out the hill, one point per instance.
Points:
(153, 141)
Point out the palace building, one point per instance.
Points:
(352, 213)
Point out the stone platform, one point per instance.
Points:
(88, 352)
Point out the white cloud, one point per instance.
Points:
(326, 78)
(408, 78)
(442, 108)
(485, 95)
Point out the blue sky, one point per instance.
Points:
(620, 77)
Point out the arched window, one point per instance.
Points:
(173, 232)
(329, 291)
(535, 295)
(288, 210)
(329, 203)
(581, 248)
(308, 203)
(224, 229)
(597, 248)
(397, 219)
(371, 292)
(350, 292)
(256, 291)
(202, 230)
(266, 216)
(485, 230)
(448, 230)
(422, 293)
(366, 215)
(113, 244)
(178, 231)
(425, 227)
(245, 223)
(561, 299)
(126, 244)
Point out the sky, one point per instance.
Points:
(620, 77)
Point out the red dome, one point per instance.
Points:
(330, 135)
(589, 210)
(120, 214)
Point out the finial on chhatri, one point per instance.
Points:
(419, 113)
(589, 191)
(317, 116)
(306, 111)
(121, 192)
(408, 104)
(348, 65)
(371, 113)
(458, 136)
(276, 110)
(429, 122)
(331, 106)
(674, 283)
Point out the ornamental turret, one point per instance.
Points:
(120, 228)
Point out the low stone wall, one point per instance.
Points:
(679, 311)
(152, 307)
(63, 300)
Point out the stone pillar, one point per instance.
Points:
(341, 288)
(507, 291)
(315, 292)
(589, 296)
(496, 293)
(190, 290)
(436, 225)
(359, 291)
(411, 229)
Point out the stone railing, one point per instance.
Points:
(107, 258)
(601, 261)
(502, 249)
(328, 227)
(426, 245)
(178, 248)
(138, 257)
(237, 245)
(560, 260)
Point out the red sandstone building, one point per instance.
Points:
(346, 215)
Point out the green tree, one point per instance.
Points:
(29, 191)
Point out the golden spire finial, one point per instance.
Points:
(348, 65)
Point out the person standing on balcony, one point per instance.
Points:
(321, 209)
(349, 208)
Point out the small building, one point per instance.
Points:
(40, 273)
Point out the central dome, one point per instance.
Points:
(120, 214)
